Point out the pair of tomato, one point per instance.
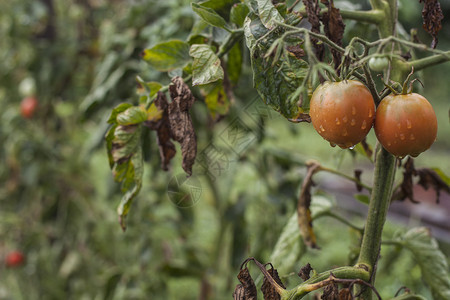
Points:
(344, 112)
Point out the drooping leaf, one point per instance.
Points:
(268, 290)
(238, 13)
(167, 56)
(163, 132)
(206, 67)
(147, 90)
(431, 260)
(125, 153)
(268, 13)
(432, 18)
(209, 16)
(289, 247)
(221, 7)
(117, 110)
(216, 99)
(181, 126)
(313, 11)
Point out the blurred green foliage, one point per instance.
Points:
(57, 197)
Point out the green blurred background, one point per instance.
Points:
(58, 200)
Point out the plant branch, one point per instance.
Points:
(429, 61)
(355, 180)
(366, 16)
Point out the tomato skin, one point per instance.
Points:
(378, 63)
(28, 107)
(14, 259)
(405, 124)
(342, 112)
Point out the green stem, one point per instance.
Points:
(342, 220)
(429, 61)
(357, 272)
(378, 207)
(346, 177)
(366, 16)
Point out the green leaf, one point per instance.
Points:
(276, 81)
(365, 199)
(131, 116)
(167, 56)
(268, 13)
(117, 110)
(289, 247)
(125, 153)
(238, 13)
(206, 67)
(216, 99)
(431, 260)
(234, 63)
(209, 16)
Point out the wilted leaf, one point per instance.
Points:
(334, 29)
(209, 15)
(239, 292)
(117, 110)
(313, 13)
(432, 17)
(238, 13)
(303, 207)
(431, 260)
(162, 126)
(276, 81)
(430, 178)
(248, 285)
(167, 56)
(181, 126)
(206, 67)
(289, 247)
(358, 176)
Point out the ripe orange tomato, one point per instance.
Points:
(14, 259)
(342, 112)
(28, 107)
(405, 124)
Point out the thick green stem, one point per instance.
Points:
(378, 207)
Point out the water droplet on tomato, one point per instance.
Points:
(351, 147)
(412, 137)
(345, 119)
(370, 113)
(408, 124)
(389, 144)
(332, 144)
(399, 125)
(337, 121)
(353, 122)
(401, 157)
(402, 136)
(414, 154)
(321, 128)
(353, 110)
(345, 133)
(364, 125)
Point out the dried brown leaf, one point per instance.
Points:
(313, 12)
(163, 133)
(429, 178)
(268, 290)
(334, 29)
(239, 292)
(305, 271)
(248, 285)
(182, 129)
(358, 176)
(432, 17)
(296, 50)
(303, 210)
(330, 292)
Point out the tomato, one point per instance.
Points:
(405, 124)
(342, 112)
(14, 259)
(28, 107)
(378, 63)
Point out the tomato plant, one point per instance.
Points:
(342, 112)
(378, 63)
(405, 124)
(28, 107)
(14, 259)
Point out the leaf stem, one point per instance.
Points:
(355, 180)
